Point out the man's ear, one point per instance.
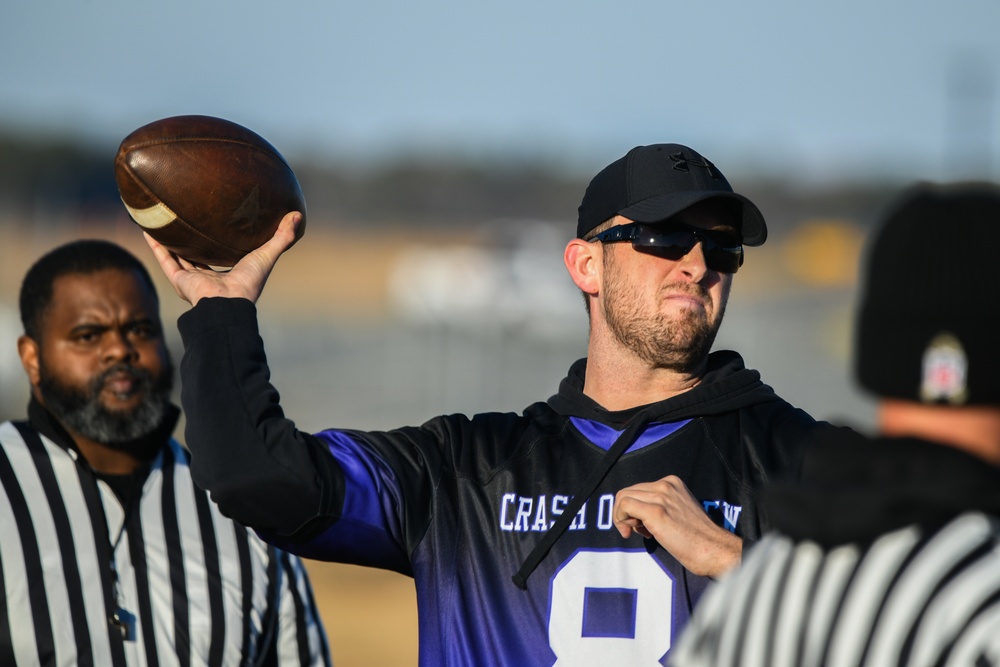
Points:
(583, 261)
(27, 349)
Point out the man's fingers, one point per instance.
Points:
(667, 511)
(639, 503)
(169, 263)
(256, 266)
(630, 511)
(159, 252)
(630, 514)
(285, 235)
(653, 506)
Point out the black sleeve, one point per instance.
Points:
(259, 469)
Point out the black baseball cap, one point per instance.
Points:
(652, 183)
(927, 327)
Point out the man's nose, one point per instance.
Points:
(118, 346)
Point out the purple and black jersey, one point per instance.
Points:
(459, 503)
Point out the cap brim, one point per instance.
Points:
(659, 208)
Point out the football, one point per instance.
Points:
(208, 189)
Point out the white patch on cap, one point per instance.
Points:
(945, 370)
(153, 217)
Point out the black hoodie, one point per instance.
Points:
(854, 489)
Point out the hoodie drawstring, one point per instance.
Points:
(632, 431)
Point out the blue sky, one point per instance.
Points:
(809, 90)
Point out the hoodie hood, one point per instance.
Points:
(727, 386)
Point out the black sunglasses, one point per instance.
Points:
(673, 240)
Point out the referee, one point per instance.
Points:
(109, 554)
(888, 550)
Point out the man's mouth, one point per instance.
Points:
(689, 299)
(122, 385)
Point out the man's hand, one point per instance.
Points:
(194, 282)
(666, 511)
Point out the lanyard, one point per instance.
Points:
(121, 617)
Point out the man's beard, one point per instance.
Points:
(680, 344)
(82, 411)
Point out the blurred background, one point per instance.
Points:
(443, 148)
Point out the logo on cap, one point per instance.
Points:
(681, 164)
(945, 369)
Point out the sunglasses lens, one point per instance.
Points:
(675, 243)
(726, 260)
(721, 252)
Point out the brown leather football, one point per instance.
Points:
(206, 188)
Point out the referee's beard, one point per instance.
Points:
(81, 409)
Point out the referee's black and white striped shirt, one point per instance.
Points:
(924, 593)
(908, 600)
(203, 590)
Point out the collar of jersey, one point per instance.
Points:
(604, 436)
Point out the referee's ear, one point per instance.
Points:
(27, 349)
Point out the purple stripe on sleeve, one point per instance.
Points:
(368, 531)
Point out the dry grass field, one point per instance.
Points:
(370, 615)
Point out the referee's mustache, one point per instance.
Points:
(143, 378)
